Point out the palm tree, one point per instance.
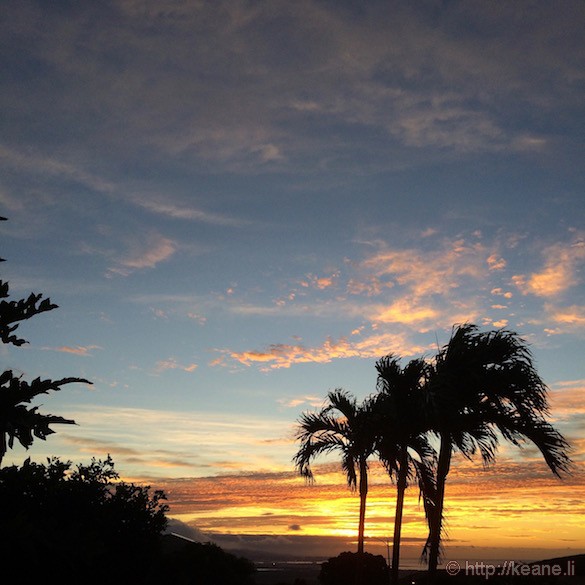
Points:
(350, 432)
(481, 383)
(403, 445)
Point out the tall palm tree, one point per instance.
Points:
(403, 444)
(342, 425)
(481, 383)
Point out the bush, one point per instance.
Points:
(77, 526)
(342, 569)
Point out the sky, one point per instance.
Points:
(241, 205)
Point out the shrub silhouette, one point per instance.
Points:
(342, 569)
(78, 526)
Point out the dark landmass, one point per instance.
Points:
(539, 573)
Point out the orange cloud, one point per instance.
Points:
(430, 272)
(282, 355)
(495, 262)
(172, 364)
(315, 401)
(404, 311)
(559, 272)
(510, 499)
(573, 315)
(320, 282)
(77, 350)
(501, 292)
(568, 398)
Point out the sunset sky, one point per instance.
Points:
(239, 206)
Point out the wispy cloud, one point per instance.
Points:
(187, 212)
(207, 442)
(143, 252)
(82, 350)
(430, 272)
(282, 355)
(559, 273)
(172, 364)
(239, 118)
(35, 162)
(295, 402)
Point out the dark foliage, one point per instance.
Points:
(195, 563)
(18, 421)
(77, 525)
(342, 569)
(81, 525)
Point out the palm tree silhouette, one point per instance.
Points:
(403, 445)
(481, 383)
(342, 425)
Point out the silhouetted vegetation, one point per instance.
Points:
(77, 525)
(480, 386)
(18, 421)
(341, 570)
(342, 426)
(81, 525)
(480, 383)
(403, 445)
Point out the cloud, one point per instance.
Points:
(404, 311)
(429, 272)
(319, 282)
(568, 398)
(83, 350)
(176, 211)
(559, 273)
(570, 317)
(281, 355)
(172, 364)
(144, 252)
(423, 81)
(34, 162)
(314, 401)
(495, 262)
(203, 442)
(158, 458)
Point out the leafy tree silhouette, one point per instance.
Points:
(17, 420)
(78, 525)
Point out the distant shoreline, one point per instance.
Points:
(287, 571)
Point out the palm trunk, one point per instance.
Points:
(400, 489)
(437, 516)
(363, 489)
(3, 444)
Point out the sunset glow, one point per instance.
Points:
(239, 207)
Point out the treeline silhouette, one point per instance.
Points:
(83, 526)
